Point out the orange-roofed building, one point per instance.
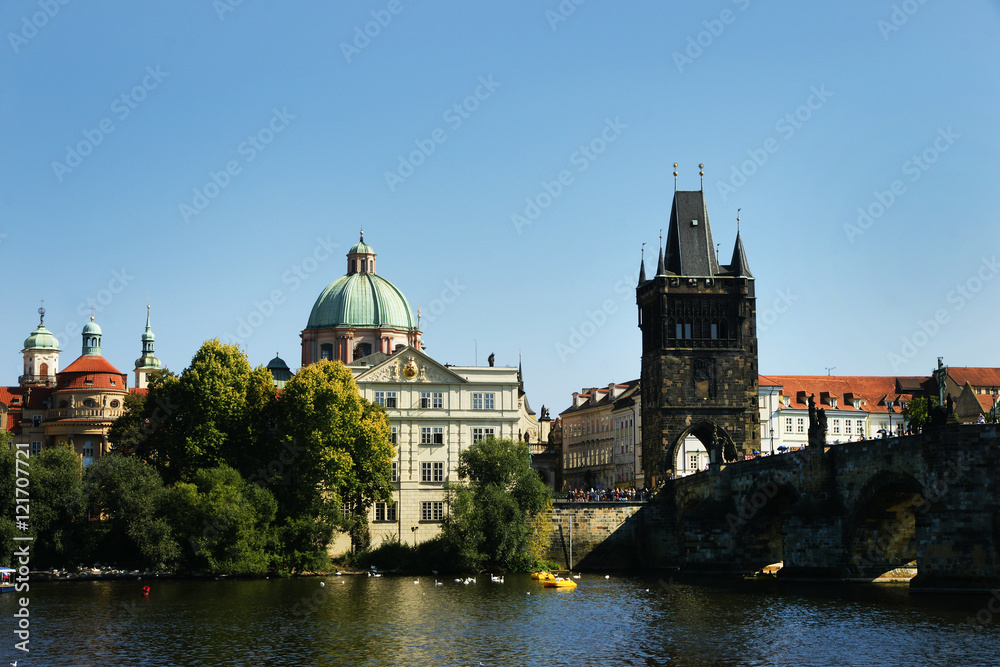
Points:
(73, 407)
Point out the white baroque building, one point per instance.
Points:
(435, 412)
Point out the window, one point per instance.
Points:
(36, 447)
(387, 399)
(836, 427)
(115, 404)
(481, 433)
(847, 426)
(800, 424)
(483, 401)
(36, 420)
(432, 511)
(431, 471)
(326, 351)
(431, 435)
(788, 424)
(861, 427)
(88, 453)
(693, 462)
(392, 435)
(395, 471)
(384, 512)
(432, 400)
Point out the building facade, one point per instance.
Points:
(73, 407)
(699, 345)
(435, 411)
(589, 441)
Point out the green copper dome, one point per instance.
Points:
(41, 339)
(361, 248)
(361, 300)
(91, 328)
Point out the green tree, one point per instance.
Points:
(491, 511)
(225, 524)
(917, 413)
(218, 411)
(342, 451)
(58, 505)
(129, 496)
(7, 501)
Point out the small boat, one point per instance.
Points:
(542, 576)
(559, 582)
(7, 579)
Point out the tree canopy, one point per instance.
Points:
(489, 525)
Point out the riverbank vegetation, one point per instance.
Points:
(213, 471)
(491, 521)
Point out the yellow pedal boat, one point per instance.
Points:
(542, 576)
(559, 582)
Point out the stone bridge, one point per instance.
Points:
(923, 506)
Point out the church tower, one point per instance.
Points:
(148, 362)
(699, 345)
(41, 356)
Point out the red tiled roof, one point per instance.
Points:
(977, 377)
(140, 391)
(95, 369)
(91, 363)
(872, 390)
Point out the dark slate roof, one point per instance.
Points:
(690, 251)
(739, 266)
(279, 369)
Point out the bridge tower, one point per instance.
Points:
(699, 345)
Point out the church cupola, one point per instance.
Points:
(148, 362)
(361, 257)
(41, 356)
(91, 338)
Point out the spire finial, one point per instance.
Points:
(738, 221)
(362, 235)
(701, 175)
(675, 177)
(642, 253)
(41, 313)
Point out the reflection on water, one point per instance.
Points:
(393, 621)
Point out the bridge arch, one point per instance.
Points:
(717, 441)
(760, 520)
(881, 527)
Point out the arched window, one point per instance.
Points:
(43, 369)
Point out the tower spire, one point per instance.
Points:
(642, 264)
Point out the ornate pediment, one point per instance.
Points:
(410, 365)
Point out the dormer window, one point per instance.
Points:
(694, 223)
(89, 382)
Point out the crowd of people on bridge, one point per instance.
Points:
(601, 495)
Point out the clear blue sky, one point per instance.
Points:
(833, 100)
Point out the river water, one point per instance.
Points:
(620, 620)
